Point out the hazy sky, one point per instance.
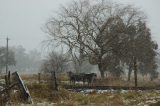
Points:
(21, 20)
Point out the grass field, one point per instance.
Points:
(43, 95)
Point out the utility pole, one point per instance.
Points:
(7, 39)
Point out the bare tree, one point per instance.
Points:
(55, 62)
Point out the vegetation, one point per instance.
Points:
(19, 60)
(11, 58)
(43, 95)
(28, 62)
(55, 62)
(107, 34)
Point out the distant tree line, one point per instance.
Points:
(3, 57)
(20, 60)
(27, 61)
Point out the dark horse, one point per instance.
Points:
(76, 77)
(89, 78)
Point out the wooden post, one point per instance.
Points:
(23, 89)
(39, 78)
(55, 81)
(54, 84)
(9, 78)
(135, 71)
(8, 82)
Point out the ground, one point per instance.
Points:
(43, 95)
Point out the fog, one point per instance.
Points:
(22, 20)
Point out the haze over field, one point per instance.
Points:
(22, 20)
(97, 52)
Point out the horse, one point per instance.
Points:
(89, 78)
(76, 77)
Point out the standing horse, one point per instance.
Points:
(76, 77)
(89, 78)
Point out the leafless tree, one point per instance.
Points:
(55, 62)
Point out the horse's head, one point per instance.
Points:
(94, 75)
(70, 73)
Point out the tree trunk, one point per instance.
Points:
(135, 76)
(55, 81)
(101, 70)
(102, 74)
(129, 73)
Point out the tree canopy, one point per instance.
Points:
(106, 33)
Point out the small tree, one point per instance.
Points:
(54, 63)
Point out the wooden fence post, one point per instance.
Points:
(54, 84)
(8, 82)
(23, 89)
(39, 78)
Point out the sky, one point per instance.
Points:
(22, 20)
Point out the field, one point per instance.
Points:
(43, 95)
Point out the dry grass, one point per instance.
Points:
(43, 93)
(110, 81)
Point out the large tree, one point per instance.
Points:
(140, 49)
(99, 30)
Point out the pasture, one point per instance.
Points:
(43, 95)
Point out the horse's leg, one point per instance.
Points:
(93, 79)
(83, 81)
(88, 81)
(74, 81)
(70, 81)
